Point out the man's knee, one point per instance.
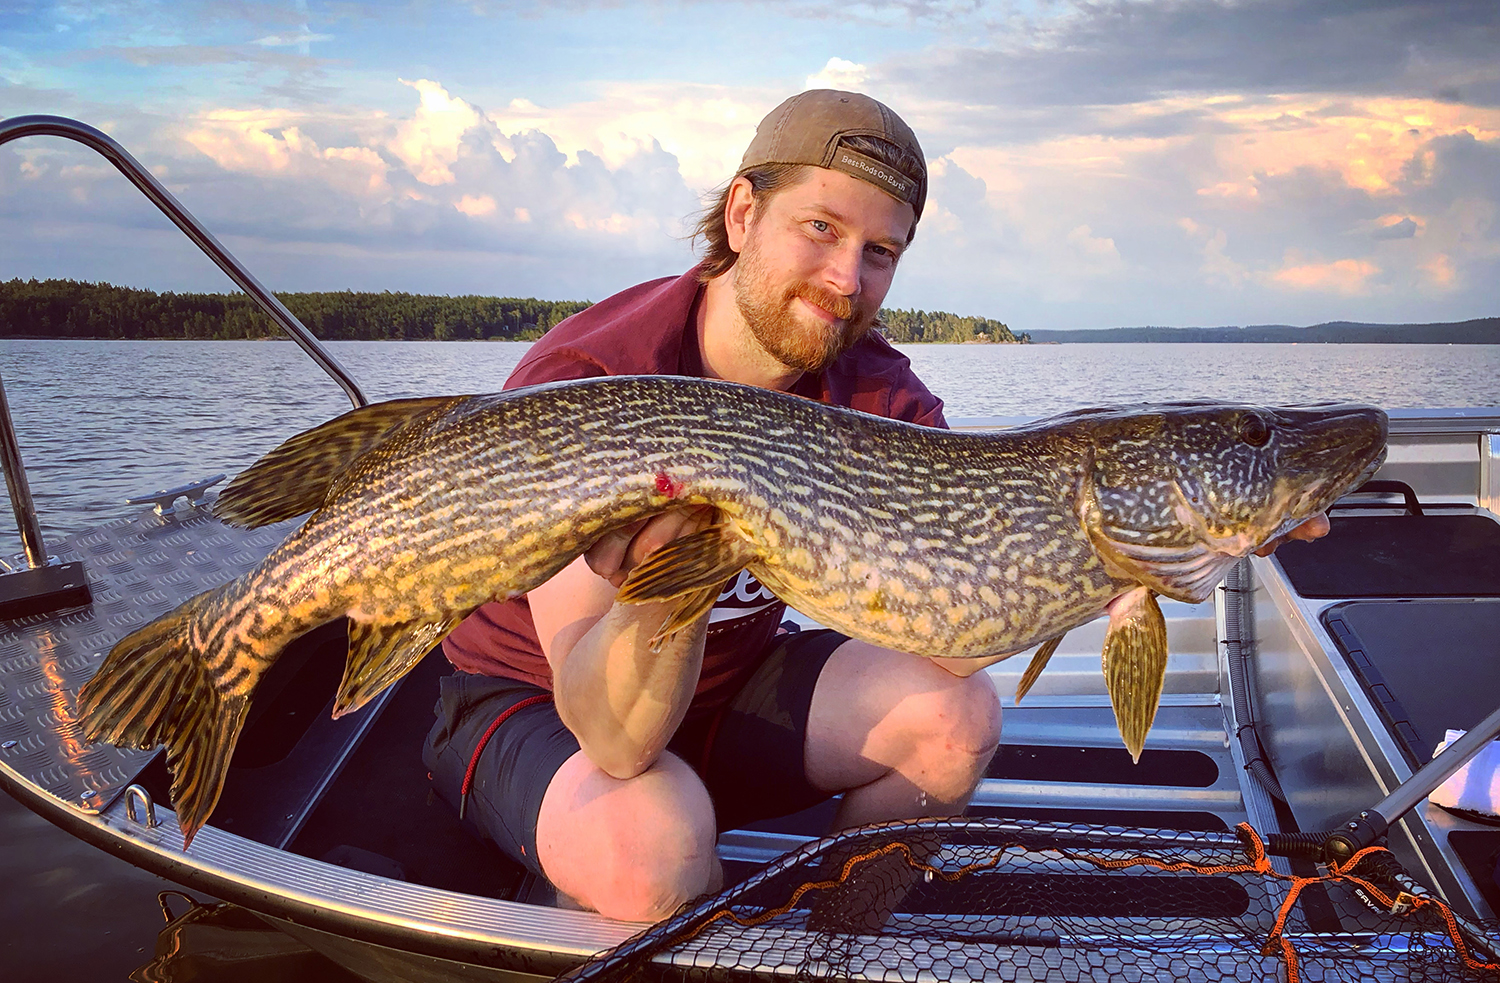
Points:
(958, 732)
(976, 715)
(634, 849)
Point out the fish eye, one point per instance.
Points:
(1254, 431)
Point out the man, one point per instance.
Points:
(610, 768)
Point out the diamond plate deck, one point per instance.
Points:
(138, 569)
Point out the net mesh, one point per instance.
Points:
(960, 900)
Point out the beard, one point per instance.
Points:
(802, 343)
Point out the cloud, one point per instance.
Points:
(438, 198)
(475, 206)
(1092, 247)
(1404, 228)
(301, 39)
(428, 142)
(191, 55)
(839, 74)
(1343, 276)
(1123, 51)
(1440, 272)
(1091, 163)
(706, 127)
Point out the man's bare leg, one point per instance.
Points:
(904, 739)
(899, 735)
(633, 849)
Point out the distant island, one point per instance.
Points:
(1480, 331)
(71, 309)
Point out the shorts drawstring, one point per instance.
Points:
(463, 792)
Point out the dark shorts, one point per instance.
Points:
(749, 755)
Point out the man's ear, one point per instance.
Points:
(738, 210)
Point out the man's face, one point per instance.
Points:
(815, 265)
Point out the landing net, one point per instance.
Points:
(971, 900)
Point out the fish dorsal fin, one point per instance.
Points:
(380, 654)
(296, 477)
(1135, 664)
(1038, 663)
(691, 563)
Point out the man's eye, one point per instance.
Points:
(820, 225)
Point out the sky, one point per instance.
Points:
(1093, 164)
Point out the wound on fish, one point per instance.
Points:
(665, 485)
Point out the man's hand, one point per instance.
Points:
(616, 553)
(1315, 528)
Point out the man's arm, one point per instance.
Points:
(620, 699)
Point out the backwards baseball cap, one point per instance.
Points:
(812, 127)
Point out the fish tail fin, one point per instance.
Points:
(155, 688)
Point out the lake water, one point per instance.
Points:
(102, 421)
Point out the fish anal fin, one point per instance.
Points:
(296, 477)
(380, 654)
(1038, 663)
(1135, 664)
(692, 563)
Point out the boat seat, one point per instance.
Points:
(1427, 555)
(1428, 665)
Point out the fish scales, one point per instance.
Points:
(940, 543)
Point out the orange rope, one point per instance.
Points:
(1276, 942)
(1261, 864)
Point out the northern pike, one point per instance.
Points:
(935, 542)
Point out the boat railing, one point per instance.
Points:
(50, 580)
(20, 491)
(59, 126)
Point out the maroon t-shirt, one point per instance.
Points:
(650, 330)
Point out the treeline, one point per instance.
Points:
(1479, 331)
(904, 327)
(69, 309)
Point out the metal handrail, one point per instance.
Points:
(20, 491)
(60, 126)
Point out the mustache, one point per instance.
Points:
(836, 304)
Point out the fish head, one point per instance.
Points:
(1174, 494)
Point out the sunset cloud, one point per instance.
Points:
(1271, 161)
(1344, 276)
(1440, 272)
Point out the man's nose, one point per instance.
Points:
(841, 269)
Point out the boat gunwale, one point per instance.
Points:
(485, 931)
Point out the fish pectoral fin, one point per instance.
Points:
(380, 654)
(1038, 663)
(692, 607)
(1135, 664)
(693, 563)
(296, 477)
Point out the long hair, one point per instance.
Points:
(769, 179)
